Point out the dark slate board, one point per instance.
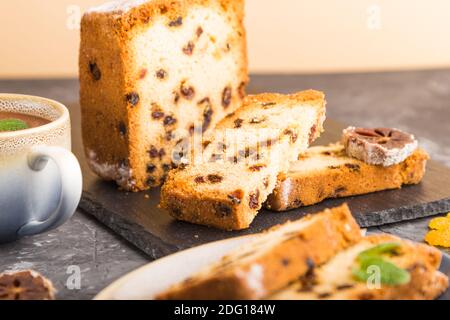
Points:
(138, 219)
(445, 269)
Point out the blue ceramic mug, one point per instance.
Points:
(40, 179)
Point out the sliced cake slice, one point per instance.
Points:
(274, 259)
(327, 172)
(418, 277)
(242, 159)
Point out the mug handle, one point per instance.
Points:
(71, 186)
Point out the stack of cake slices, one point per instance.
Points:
(322, 256)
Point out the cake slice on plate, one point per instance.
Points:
(328, 172)
(381, 267)
(151, 71)
(242, 159)
(272, 260)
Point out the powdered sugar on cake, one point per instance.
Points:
(120, 173)
(120, 6)
(254, 278)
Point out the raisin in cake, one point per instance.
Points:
(228, 187)
(335, 279)
(149, 72)
(274, 259)
(327, 172)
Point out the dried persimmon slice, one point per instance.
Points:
(25, 285)
(378, 146)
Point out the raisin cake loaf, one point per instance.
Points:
(274, 259)
(335, 279)
(327, 172)
(152, 71)
(228, 187)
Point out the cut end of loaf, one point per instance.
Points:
(150, 73)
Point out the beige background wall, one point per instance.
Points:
(39, 38)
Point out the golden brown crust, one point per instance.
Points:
(194, 207)
(353, 178)
(97, 120)
(112, 125)
(292, 256)
(312, 97)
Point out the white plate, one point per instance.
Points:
(151, 279)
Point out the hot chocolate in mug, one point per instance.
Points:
(40, 179)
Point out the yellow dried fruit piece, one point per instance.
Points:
(438, 238)
(440, 235)
(441, 223)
